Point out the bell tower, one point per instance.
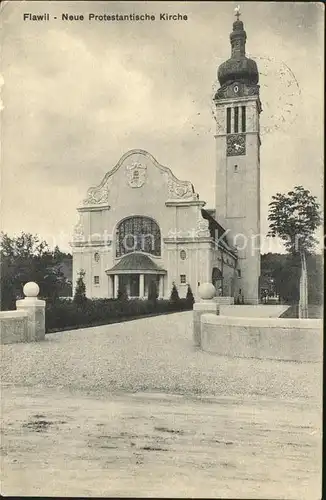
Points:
(237, 194)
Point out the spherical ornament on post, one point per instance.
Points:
(31, 289)
(207, 291)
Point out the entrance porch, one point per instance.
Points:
(134, 272)
(136, 285)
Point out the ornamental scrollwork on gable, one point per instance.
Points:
(180, 189)
(177, 189)
(97, 195)
(203, 228)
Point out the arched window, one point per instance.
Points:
(138, 234)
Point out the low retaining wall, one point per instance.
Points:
(224, 300)
(27, 323)
(13, 327)
(263, 338)
(256, 311)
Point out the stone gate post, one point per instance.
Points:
(207, 304)
(36, 312)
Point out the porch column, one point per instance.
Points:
(116, 285)
(110, 291)
(161, 287)
(141, 286)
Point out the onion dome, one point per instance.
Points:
(238, 68)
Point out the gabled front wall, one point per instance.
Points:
(154, 193)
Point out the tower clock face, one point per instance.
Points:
(235, 144)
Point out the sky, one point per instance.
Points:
(78, 95)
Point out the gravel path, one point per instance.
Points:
(152, 354)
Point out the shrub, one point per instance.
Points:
(80, 291)
(174, 297)
(68, 315)
(190, 297)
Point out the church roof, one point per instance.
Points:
(217, 230)
(211, 212)
(135, 263)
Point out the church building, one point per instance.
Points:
(142, 224)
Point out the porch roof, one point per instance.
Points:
(136, 263)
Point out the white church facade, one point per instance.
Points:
(142, 224)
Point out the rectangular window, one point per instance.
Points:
(183, 279)
(96, 280)
(228, 120)
(239, 273)
(236, 119)
(243, 120)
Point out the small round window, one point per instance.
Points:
(97, 257)
(183, 255)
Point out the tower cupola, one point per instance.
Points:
(238, 68)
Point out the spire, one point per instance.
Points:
(238, 37)
(238, 68)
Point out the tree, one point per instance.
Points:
(190, 296)
(272, 265)
(152, 292)
(174, 297)
(80, 290)
(26, 258)
(315, 281)
(294, 218)
(285, 270)
(288, 279)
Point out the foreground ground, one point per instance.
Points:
(91, 413)
(56, 443)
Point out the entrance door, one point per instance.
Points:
(134, 285)
(217, 280)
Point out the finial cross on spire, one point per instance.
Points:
(237, 12)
